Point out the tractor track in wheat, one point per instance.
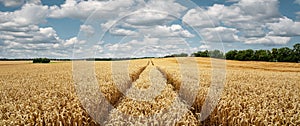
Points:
(145, 105)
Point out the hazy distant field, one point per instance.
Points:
(257, 93)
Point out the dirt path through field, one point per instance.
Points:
(151, 101)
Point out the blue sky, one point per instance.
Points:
(136, 28)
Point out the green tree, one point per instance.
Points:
(178, 55)
(216, 54)
(262, 55)
(245, 55)
(41, 60)
(231, 54)
(201, 54)
(296, 51)
(274, 54)
(285, 54)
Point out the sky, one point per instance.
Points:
(139, 28)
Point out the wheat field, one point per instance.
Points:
(255, 93)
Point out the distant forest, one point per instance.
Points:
(283, 54)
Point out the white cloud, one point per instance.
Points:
(98, 48)
(145, 18)
(133, 44)
(70, 41)
(204, 47)
(25, 16)
(253, 32)
(37, 2)
(268, 40)
(40, 35)
(247, 17)
(174, 30)
(297, 2)
(119, 48)
(199, 18)
(218, 34)
(87, 29)
(251, 22)
(254, 21)
(254, 13)
(5, 37)
(154, 12)
(170, 6)
(148, 46)
(12, 3)
(83, 9)
(73, 41)
(48, 32)
(108, 24)
(285, 27)
(20, 31)
(127, 50)
(12, 35)
(122, 32)
(16, 3)
(22, 36)
(149, 40)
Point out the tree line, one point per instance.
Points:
(283, 54)
(41, 60)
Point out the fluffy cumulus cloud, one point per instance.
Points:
(220, 34)
(162, 6)
(73, 41)
(20, 31)
(204, 47)
(88, 30)
(122, 32)
(142, 18)
(251, 13)
(148, 46)
(251, 22)
(285, 27)
(23, 21)
(129, 50)
(16, 3)
(199, 18)
(132, 45)
(36, 40)
(269, 40)
(83, 9)
(154, 12)
(149, 26)
(174, 30)
(24, 16)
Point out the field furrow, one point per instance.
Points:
(151, 101)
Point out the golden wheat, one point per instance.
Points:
(255, 93)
